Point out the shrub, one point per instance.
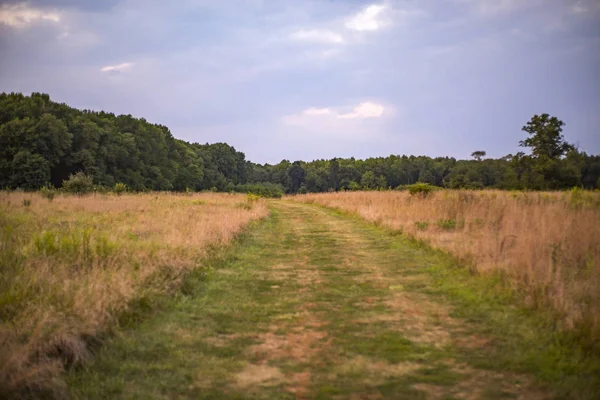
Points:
(251, 197)
(120, 188)
(78, 183)
(353, 186)
(420, 188)
(422, 226)
(263, 189)
(446, 224)
(47, 193)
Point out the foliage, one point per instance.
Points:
(263, 189)
(421, 225)
(119, 188)
(47, 193)
(79, 183)
(478, 155)
(43, 142)
(420, 189)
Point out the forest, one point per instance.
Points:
(44, 143)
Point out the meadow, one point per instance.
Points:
(545, 245)
(74, 267)
(152, 294)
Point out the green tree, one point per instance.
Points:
(334, 174)
(426, 177)
(29, 171)
(546, 140)
(548, 147)
(296, 176)
(478, 155)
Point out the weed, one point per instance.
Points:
(48, 193)
(422, 226)
(446, 224)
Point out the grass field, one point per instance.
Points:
(163, 296)
(73, 267)
(314, 304)
(547, 245)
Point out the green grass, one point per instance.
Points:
(313, 303)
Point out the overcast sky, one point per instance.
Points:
(308, 79)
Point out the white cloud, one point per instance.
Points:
(365, 110)
(367, 20)
(317, 111)
(317, 36)
(21, 15)
(117, 68)
(311, 115)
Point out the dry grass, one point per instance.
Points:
(547, 244)
(69, 267)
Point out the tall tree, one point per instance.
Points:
(546, 140)
(548, 147)
(296, 176)
(478, 155)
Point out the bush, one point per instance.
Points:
(263, 189)
(420, 188)
(78, 183)
(422, 226)
(47, 193)
(252, 198)
(120, 188)
(354, 186)
(446, 224)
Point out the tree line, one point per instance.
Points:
(43, 143)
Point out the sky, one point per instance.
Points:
(312, 79)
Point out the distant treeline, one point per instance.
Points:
(43, 143)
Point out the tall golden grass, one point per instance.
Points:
(69, 267)
(547, 244)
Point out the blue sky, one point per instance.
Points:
(318, 79)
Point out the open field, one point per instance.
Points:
(150, 296)
(72, 267)
(314, 304)
(546, 244)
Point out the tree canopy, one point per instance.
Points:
(44, 143)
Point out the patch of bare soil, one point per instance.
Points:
(258, 375)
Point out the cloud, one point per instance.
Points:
(317, 111)
(363, 110)
(580, 7)
(117, 68)
(317, 36)
(22, 15)
(497, 7)
(367, 20)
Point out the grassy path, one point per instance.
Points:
(311, 304)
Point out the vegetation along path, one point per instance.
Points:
(310, 304)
